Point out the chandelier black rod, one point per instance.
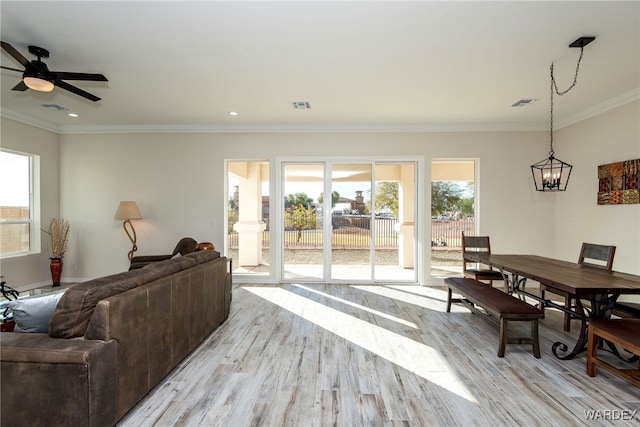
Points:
(554, 88)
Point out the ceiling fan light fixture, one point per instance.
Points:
(37, 83)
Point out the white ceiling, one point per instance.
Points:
(361, 65)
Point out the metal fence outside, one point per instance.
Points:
(448, 233)
(354, 231)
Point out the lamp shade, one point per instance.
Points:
(128, 210)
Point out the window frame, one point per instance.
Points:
(34, 206)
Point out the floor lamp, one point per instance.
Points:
(128, 210)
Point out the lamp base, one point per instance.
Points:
(132, 236)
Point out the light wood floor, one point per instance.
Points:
(337, 355)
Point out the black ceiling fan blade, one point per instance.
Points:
(20, 86)
(76, 90)
(16, 55)
(63, 75)
(9, 68)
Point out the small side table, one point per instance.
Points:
(46, 289)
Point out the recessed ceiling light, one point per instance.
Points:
(523, 102)
(233, 113)
(301, 105)
(72, 115)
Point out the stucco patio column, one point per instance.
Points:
(249, 242)
(250, 225)
(406, 224)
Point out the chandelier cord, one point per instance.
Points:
(554, 88)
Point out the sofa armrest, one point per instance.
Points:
(64, 381)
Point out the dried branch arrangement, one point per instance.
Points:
(58, 232)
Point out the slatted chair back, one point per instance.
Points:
(599, 256)
(591, 255)
(474, 244)
(478, 244)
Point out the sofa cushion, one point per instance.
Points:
(74, 310)
(32, 314)
(203, 256)
(169, 266)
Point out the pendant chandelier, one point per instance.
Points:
(553, 174)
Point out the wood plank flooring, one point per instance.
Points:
(338, 355)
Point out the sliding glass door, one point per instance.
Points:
(302, 221)
(351, 221)
(348, 221)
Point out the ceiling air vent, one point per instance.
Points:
(301, 105)
(523, 102)
(55, 107)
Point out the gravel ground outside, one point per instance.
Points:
(439, 256)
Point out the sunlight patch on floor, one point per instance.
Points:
(413, 356)
(359, 307)
(421, 296)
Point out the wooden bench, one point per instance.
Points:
(622, 332)
(500, 304)
(627, 309)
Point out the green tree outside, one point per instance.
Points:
(335, 196)
(299, 199)
(300, 218)
(387, 197)
(445, 197)
(299, 213)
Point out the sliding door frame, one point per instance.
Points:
(277, 214)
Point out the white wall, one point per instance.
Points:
(610, 137)
(24, 271)
(178, 182)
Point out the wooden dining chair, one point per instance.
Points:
(478, 244)
(591, 255)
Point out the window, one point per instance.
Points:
(18, 216)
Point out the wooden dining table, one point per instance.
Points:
(600, 287)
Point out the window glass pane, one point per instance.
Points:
(15, 214)
(452, 213)
(15, 238)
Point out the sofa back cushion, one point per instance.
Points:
(74, 310)
(168, 267)
(203, 256)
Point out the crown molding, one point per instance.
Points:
(601, 108)
(608, 105)
(354, 128)
(29, 120)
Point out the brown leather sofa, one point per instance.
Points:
(110, 341)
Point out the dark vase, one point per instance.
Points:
(56, 270)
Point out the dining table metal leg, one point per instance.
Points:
(581, 343)
(601, 306)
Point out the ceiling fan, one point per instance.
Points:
(36, 74)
